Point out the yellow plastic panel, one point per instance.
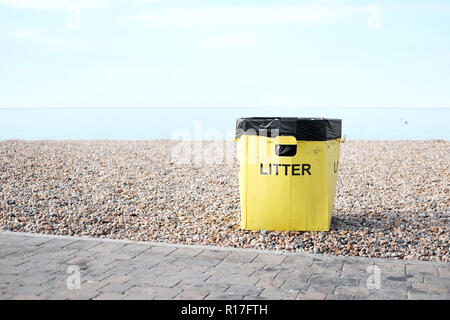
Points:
(287, 192)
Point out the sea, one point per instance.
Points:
(202, 123)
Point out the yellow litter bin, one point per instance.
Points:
(287, 172)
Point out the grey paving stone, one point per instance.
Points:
(31, 289)
(144, 293)
(422, 269)
(334, 264)
(279, 294)
(145, 264)
(33, 242)
(78, 260)
(299, 261)
(186, 253)
(232, 279)
(82, 294)
(240, 257)
(434, 280)
(193, 293)
(109, 296)
(136, 297)
(393, 267)
(132, 250)
(199, 268)
(429, 288)
(116, 279)
(298, 274)
(269, 260)
(107, 247)
(282, 268)
(444, 271)
(213, 287)
(223, 296)
(171, 269)
(426, 296)
(51, 266)
(325, 278)
(402, 279)
(390, 284)
(264, 274)
(189, 277)
(56, 255)
(160, 251)
(294, 284)
(351, 291)
(118, 287)
(37, 279)
(119, 267)
(326, 288)
(59, 284)
(227, 267)
(332, 296)
(54, 245)
(100, 272)
(257, 264)
(161, 293)
(23, 269)
(244, 289)
(92, 285)
(355, 270)
(118, 256)
(206, 262)
(213, 254)
(157, 281)
(5, 295)
(350, 260)
(311, 294)
(387, 294)
(36, 267)
(17, 257)
(84, 245)
(13, 262)
(26, 297)
(250, 297)
(6, 250)
(353, 282)
(268, 282)
(137, 277)
(8, 278)
(8, 238)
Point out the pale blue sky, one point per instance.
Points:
(224, 53)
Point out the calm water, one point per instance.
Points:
(212, 123)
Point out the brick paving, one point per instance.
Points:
(57, 267)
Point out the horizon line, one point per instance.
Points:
(224, 107)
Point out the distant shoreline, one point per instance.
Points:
(211, 123)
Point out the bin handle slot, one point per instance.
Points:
(286, 150)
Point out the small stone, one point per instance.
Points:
(80, 185)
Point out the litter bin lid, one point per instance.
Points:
(305, 129)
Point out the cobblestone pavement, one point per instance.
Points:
(57, 267)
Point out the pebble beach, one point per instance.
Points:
(392, 198)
